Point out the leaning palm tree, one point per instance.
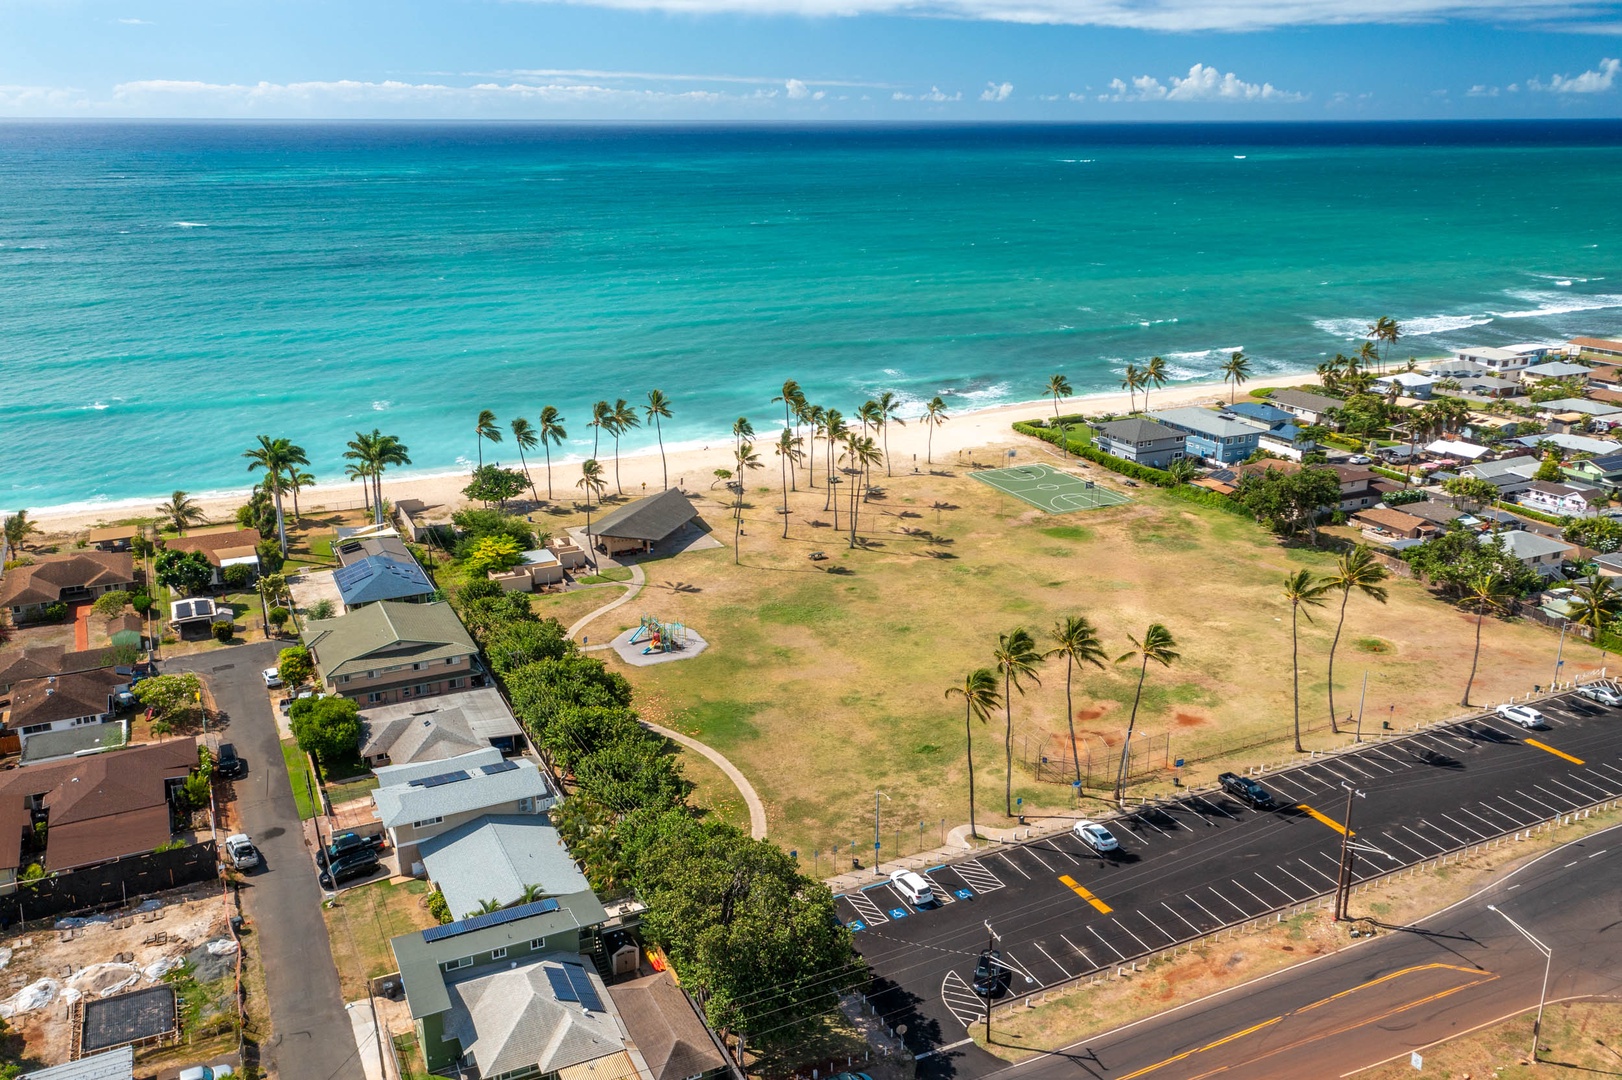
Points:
(297, 481)
(485, 428)
(747, 460)
(362, 473)
(524, 438)
(1075, 639)
(1016, 656)
(792, 398)
(364, 453)
(934, 416)
(374, 453)
(1356, 569)
(1131, 383)
(1236, 369)
(861, 454)
(18, 529)
(182, 511)
(1154, 374)
(552, 434)
(1595, 603)
(979, 694)
(815, 416)
(1386, 331)
(834, 431)
(889, 413)
(1058, 387)
(658, 408)
(1488, 592)
(742, 431)
(1301, 591)
(788, 456)
(277, 457)
(624, 419)
(591, 480)
(1157, 645)
(871, 416)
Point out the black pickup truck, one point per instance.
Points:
(1247, 791)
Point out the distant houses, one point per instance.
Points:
(1210, 435)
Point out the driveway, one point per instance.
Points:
(311, 1039)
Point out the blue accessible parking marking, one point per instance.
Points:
(899, 913)
(963, 894)
(856, 925)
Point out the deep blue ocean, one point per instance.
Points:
(168, 291)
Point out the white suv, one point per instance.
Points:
(1095, 836)
(912, 887)
(1524, 715)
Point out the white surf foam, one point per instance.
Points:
(1558, 304)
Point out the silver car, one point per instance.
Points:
(1600, 692)
(1095, 836)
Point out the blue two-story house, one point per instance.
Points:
(1142, 441)
(1210, 435)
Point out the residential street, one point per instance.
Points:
(311, 1039)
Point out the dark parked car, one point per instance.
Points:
(345, 844)
(990, 974)
(228, 764)
(357, 864)
(1246, 790)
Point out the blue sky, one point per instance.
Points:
(812, 60)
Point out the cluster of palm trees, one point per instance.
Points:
(1151, 374)
(1357, 570)
(616, 419)
(283, 464)
(280, 459)
(1015, 660)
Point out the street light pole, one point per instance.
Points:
(1559, 661)
(1360, 699)
(1343, 881)
(1548, 961)
(991, 944)
(876, 794)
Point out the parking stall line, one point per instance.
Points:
(1432, 825)
(1425, 839)
(1615, 773)
(1604, 793)
(1079, 951)
(1351, 762)
(1532, 814)
(1514, 821)
(977, 876)
(1173, 818)
(1265, 905)
(1217, 807)
(1493, 829)
(1547, 749)
(1141, 820)
(1106, 942)
(1557, 795)
(1052, 961)
(1317, 871)
(1129, 933)
(1310, 890)
(1215, 922)
(1344, 777)
(1179, 915)
(1275, 887)
(942, 894)
(1008, 958)
(1161, 930)
(1279, 778)
(1394, 760)
(1366, 761)
(1225, 900)
(869, 912)
(1417, 854)
(1031, 851)
(1003, 855)
(1056, 849)
(1513, 732)
(1529, 797)
(1474, 832)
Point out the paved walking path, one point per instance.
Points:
(638, 579)
(757, 810)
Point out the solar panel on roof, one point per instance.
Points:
(584, 991)
(562, 985)
(495, 918)
(499, 767)
(439, 779)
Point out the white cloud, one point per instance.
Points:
(1481, 91)
(1202, 83)
(798, 91)
(936, 94)
(27, 100)
(997, 92)
(1589, 82)
(135, 22)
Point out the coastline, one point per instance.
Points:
(640, 470)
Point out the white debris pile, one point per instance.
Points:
(105, 980)
(222, 947)
(5, 958)
(161, 967)
(36, 995)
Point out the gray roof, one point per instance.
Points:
(651, 519)
(1303, 400)
(496, 856)
(1526, 545)
(379, 577)
(512, 1018)
(350, 549)
(1555, 369)
(399, 802)
(116, 1064)
(1486, 470)
(1136, 431)
(1205, 422)
(1577, 444)
(386, 634)
(436, 728)
(1432, 511)
(1580, 405)
(50, 745)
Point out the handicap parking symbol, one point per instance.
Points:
(899, 913)
(856, 925)
(963, 894)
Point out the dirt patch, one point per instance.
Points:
(1187, 719)
(1092, 712)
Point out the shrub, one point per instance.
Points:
(493, 553)
(270, 556)
(279, 617)
(142, 603)
(237, 576)
(222, 631)
(295, 666)
(322, 609)
(110, 603)
(327, 727)
(438, 908)
(478, 524)
(56, 612)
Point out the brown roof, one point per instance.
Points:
(215, 545)
(127, 621)
(14, 818)
(664, 1027)
(1350, 474)
(1275, 465)
(43, 660)
(63, 697)
(1611, 397)
(1394, 520)
(1597, 343)
(113, 532)
(86, 842)
(44, 581)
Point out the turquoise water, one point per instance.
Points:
(169, 291)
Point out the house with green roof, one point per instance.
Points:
(392, 651)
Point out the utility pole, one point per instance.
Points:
(1343, 882)
(1559, 655)
(876, 794)
(1548, 961)
(991, 945)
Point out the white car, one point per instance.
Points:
(240, 850)
(912, 887)
(1600, 692)
(1095, 836)
(206, 1072)
(1524, 715)
(273, 678)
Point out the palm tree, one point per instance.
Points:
(1182, 470)
(484, 429)
(742, 431)
(487, 907)
(1595, 603)
(889, 413)
(747, 459)
(1016, 656)
(1386, 331)
(871, 416)
(353, 471)
(378, 452)
(1157, 645)
(788, 456)
(834, 430)
(1489, 592)
(297, 481)
(277, 457)
(658, 408)
(1236, 370)
(861, 453)
(1154, 374)
(1058, 387)
(1131, 384)
(524, 439)
(1075, 639)
(600, 412)
(364, 450)
(1329, 373)
(1355, 569)
(792, 398)
(979, 694)
(18, 529)
(591, 480)
(552, 434)
(803, 413)
(934, 416)
(815, 416)
(181, 510)
(623, 419)
(531, 893)
(1300, 590)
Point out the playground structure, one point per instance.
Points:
(659, 637)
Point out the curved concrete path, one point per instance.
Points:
(757, 811)
(638, 579)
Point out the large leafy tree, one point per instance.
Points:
(170, 696)
(494, 484)
(1017, 657)
(1359, 571)
(979, 693)
(327, 727)
(1302, 591)
(186, 572)
(1460, 556)
(1289, 502)
(1075, 639)
(295, 666)
(1159, 646)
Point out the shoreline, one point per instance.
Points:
(640, 470)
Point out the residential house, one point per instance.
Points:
(1599, 413)
(44, 660)
(539, 568)
(1508, 475)
(666, 1027)
(1357, 491)
(1553, 371)
(510, 995)
(1259, 414)
(639, 525)
(1536, 352)
(1436, 513)
(1563, 500)
(389, 651)
(1499, 361)
(1598, 348)
(222, 546)
(1280, 430)
(444, 727)
(1572, 444)
(113, 537)
(1604, 471)
(424, 799)
(354, 545)
(1610, 564)
(380, 577)
(1381, 522)
(116, 1064)
(1210, 435)
(194, 616)
(1310, 408)
(420, 521)
(1543, 554)
(61, 702)
(1488, 386)
(26, 591)
(95, 808)
(1143, 442)
(1458, 449)
(1408, 384)
(502, 858)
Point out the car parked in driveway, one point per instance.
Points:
(912, 887)
(1600, 692)
(1095, 836)
(1247, 791)
(357, 864)
(1524, 715)
(345, 844)
(990, 974)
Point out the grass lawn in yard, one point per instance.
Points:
(825, 679)
(569, 606)
(298, 775)
(342, 793)
(361, 922)
(612, 574)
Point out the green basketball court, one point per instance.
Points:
(1048, 489)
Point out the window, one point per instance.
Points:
(405, 691)
(454, 683)
(419, 665)
(371, 674)
(425, 822)
(537, 944)
(498, 954)
(452, 660)
(35, 729)
(452, 965)
(343, 678)
(374, 697)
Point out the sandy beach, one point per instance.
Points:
(640, 472)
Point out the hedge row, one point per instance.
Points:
(1535, 515)
(1157, 477)
(1214, 499)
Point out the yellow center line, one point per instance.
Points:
(1074, 886)
(1325, 818)
(1546, 748)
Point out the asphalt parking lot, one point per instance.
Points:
(1190, 867)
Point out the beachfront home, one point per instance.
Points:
(446, 727)
(1554, 371)
(390, 651)
(1210, 435)
(354, 545)
(26, 591)
(113, 537)
(427, 798)
(222, 546)
(638, 526)
(1141, 441)
(1308, 407)
(1383, 522)
(61, 702)
(1604, 471)
(380, 577)
(1408, 384)
(1544, 554)
(1598, 348)
(1563, 500)
(1500, 361)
